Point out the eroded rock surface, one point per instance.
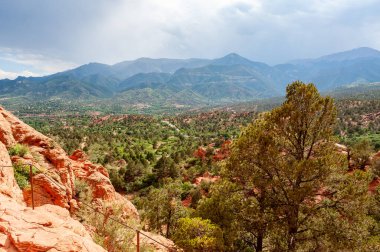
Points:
(168, 244)
(8, 185)
(49, 158)
(49, 227)
(46, 228)
(97, 177)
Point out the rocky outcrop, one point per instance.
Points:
(207, 178)
(168, 244)
(46, 228)
(8, 185)
(375, 159)
(44, 154)
(97, 177)
(58, 187)
(49, 226)
(223, 152)
(376, 156)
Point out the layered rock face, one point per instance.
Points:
(97, 177)
(46, 228)
(51, 159)
(8, 185)
(45, 155)
(49, 227)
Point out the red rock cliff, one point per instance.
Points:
(46, 228)
(49, 226)
(51, 159)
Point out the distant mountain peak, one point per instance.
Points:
(233, 55)
(144, 59)
(364, 49)
(356, 53)
(232, 59)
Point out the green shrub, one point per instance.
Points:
(205, 185)
(108, 233)
(21, 175)
(197, 234)
(18, 150)
(81, 188)
(186, 187)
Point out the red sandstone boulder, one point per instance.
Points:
(97, 177)
(46, 228)
(79, 155)
(206, 177)
(200, 153)
(168, 244)
(8, 185)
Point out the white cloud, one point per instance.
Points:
(111, 31)
(14, 75)
(272, 31)
(161, 29)
(36, 64)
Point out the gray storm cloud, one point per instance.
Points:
(65, 33)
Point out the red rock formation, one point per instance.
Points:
(373, 185)
(187, 201)
(79, 155)
(223, 152)
(157, 247)
(376, 181)
(45, 154)
(376, 156)
(217, 154)
(8, 185)
(97, 177)
(46, 228)
(49, 227)
(206, 177)
(200, 153)
(51, 159)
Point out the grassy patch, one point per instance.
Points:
(18, 150)
(373, 138)
(22, 174)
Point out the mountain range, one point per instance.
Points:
(186, 82)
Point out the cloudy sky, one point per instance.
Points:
(43, 36)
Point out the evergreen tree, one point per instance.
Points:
(163, 207)
(360, 153)
(165, 168)
(196, 234)
(288, 176)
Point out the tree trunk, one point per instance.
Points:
(167, 230)
(168, 224)
(259, 242)
(262, 226)
(292, 229)
(292, 239)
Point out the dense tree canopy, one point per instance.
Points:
(292, 184)
(196, 234)
(284, 187)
